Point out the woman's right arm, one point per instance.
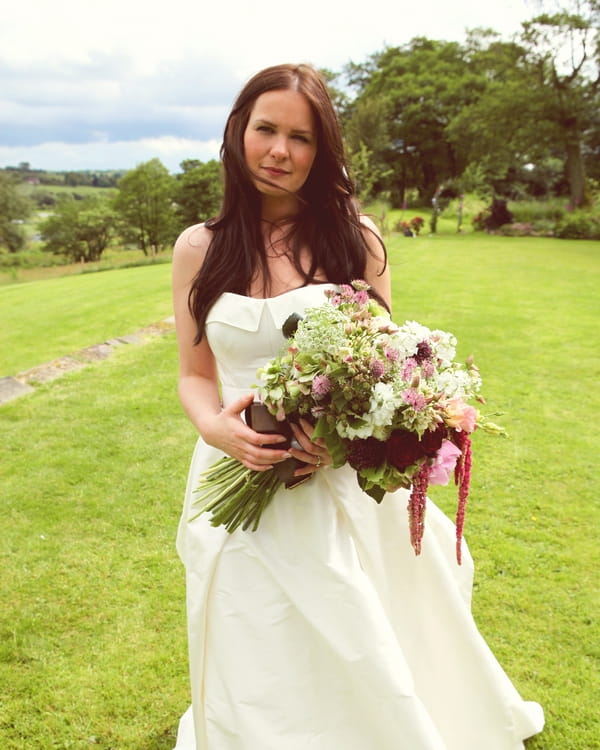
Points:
(198, 380)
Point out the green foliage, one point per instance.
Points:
(79, 229)
(366, 172)
(198, 191)
(579, 225)
(506, 118)
(144, 204)
(14, 208)
(410, 94)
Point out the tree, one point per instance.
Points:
(198, 191)
(565, 49)
(146, 208)
(540, 102)
(412, 92)
(79, 229)
(14, 208)
(367, 144)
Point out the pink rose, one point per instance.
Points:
(444, 463)
(459, 415)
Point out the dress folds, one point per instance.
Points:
(322, 630)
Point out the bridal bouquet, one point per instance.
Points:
(389, 400)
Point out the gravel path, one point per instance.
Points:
(24, 382)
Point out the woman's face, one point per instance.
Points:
(280, 142)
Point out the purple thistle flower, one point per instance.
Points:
(423, 352)
(321, 385)
(377, 368)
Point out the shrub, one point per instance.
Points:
(416, 224)
(579, 225)
(480, 220)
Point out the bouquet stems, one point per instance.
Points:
(234, 494)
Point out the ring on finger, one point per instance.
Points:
(318, 464)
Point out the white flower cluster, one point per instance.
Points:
(385, 400)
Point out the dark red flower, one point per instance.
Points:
(403, 449)
(432, 440)
(365, 454)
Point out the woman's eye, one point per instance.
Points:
(264, 129)
(302, 138)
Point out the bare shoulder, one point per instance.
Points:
(190, 251)
(372, 236)
(369, 225)
(193, 243)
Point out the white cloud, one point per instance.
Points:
(135, 71)
(102, 154)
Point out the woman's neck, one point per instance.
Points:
(278, 210)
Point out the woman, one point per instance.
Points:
(321, 629)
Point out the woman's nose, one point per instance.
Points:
(279, 149)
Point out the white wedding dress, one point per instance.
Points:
(322, 630)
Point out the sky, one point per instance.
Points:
(108, 84)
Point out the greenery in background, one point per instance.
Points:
(144, 207)
(92, 629)
(14, 208)
(497, 116)
(79, 229)
(198, 191)
(425, 124)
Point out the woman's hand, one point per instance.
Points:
(228, 432)
(313, 453)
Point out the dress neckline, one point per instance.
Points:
(281, 294)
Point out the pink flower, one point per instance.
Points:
(408, 367)
(444, 463)
(391, 354)
(361, 297)
(462, 477)
(459, 415)
(415, 399)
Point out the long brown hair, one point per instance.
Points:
(327, 223)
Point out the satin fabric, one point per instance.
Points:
(322, 630)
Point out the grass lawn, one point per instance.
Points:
(42, 320)
(92, 628)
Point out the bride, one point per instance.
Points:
(321, 630)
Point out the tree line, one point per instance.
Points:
(147, 210)
(488, 115)
(503, 119)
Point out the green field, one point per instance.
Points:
(42, 320)
(92, 627)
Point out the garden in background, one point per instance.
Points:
(92, 629)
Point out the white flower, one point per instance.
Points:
(384, 403)
(443, 345)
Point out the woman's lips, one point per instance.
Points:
(275, 172)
